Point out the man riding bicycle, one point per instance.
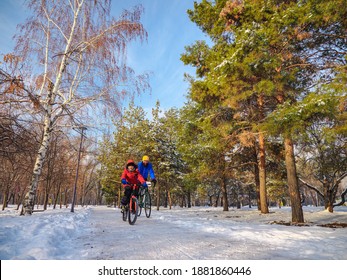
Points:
(130, 177)
(145, 168)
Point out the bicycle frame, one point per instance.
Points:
(132, 208)
(131, 204)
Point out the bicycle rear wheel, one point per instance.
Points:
(133, 210)
(147, 204)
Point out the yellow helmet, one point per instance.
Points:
(145, 158)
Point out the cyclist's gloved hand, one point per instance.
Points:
(124, 182)
(144, 185)
(154, 181)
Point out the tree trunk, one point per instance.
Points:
(256, 179)
(61, 199)
(37, 199)
(261, 161)
(66, 198)
(20, 199)
(169, 198)
(262, 175)
(216, 201)
(158, 196)
(57, 196)
(45, 201)
(225, 195)
(119, 197)
(328, 197)
(29, 199)
(249, 197)
(166, 199)
(4, 200)
(189, 199)
(12, 196)
(297, 214)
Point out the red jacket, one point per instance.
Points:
(132, 177)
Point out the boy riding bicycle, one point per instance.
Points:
(130, 177)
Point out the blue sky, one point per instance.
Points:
(169, 31)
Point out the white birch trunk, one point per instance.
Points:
(29, 200)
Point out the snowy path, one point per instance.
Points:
(99, 233)
(158, 237)
(205, 234)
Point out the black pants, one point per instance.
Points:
(127, 194)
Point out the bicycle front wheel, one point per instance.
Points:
(133, 210)
(147, 204)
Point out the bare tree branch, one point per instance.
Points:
(311, 187)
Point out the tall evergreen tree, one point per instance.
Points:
(267, 54)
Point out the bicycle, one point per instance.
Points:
(131, 210)
(145, 201)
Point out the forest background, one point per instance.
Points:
(264, 122)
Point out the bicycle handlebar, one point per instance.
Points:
(149, 184)
(133, 186)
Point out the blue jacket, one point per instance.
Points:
(144, 170)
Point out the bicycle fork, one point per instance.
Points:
(131, 204)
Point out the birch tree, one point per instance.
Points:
(76, 53)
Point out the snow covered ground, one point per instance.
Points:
(199, 233)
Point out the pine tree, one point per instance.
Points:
(266, 55)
